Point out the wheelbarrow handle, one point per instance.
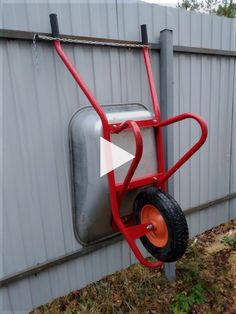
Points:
(144, 34)
(54, 25)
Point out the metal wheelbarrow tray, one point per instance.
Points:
(133, 199)
(91, 204)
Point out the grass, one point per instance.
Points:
(205, 283)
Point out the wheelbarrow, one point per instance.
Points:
(131, 200)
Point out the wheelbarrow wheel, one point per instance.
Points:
(168, 240)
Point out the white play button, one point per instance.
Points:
(112, 156)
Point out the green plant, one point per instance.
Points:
(180, 304)
(183, 301)
(227, 8)
(228, 239)
(219, 7)
(189, 271)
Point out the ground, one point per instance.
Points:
(205, 283)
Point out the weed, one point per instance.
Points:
(228, 240)
(192, 249)
(183, 301)
(189, 271)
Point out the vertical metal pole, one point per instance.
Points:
(2, 230)
(167, 111)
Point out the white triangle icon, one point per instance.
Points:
(112, 156)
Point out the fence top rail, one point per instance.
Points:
(204, 51)
(109, 42)
(71, 39)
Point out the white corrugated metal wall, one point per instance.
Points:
(233, 152)
(40, 97)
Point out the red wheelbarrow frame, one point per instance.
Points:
(158, 179)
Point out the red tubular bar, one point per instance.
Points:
(157, 112)
(155, 101)
(117, 191)
(160, 178)
(138, 154)
(193, 149)
(141, 124)
(138, 231)
(81, 83)
(142, 181)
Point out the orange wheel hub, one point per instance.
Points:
(159, 234)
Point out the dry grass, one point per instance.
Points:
(205, 283)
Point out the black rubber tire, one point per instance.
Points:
(175, 221)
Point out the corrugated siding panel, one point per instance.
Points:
(87, 17)
(233, 153)
(190, 28)
(37, 206)
(204, 85)
(29, 293)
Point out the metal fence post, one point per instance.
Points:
(167, 110)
